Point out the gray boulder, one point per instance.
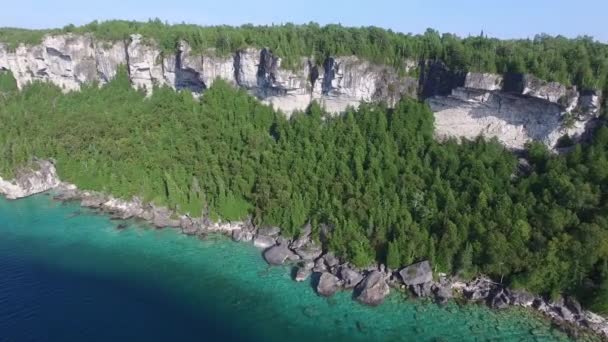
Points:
(304, 237)
(522, 298)
(443, 293)
(279, 254)
(331, 260)
(350, 277)
(422, 290)
(189, 226)
(310, 251)
(373, 289)
(417, 274)
(263, 241)
(242, 235)
(320, 266)
(328, 284)
(304, 271)
(269, 231)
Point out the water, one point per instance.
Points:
(67, 274)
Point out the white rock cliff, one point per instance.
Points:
(513, 108)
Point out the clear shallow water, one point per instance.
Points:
(67, 274)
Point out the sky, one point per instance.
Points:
(502, 19)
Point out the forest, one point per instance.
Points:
(374, 183)
(581, 61)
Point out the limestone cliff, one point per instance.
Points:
(40, 177)
(70, 61)
(515, 108)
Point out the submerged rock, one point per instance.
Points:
(304, 271)
(417, 274)
(328, 284)
(373, 289)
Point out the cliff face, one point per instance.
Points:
(70, 61)
(514, 108)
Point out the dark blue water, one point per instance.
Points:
(69, 275)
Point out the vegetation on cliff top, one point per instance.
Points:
(581, 61)
(375, 178)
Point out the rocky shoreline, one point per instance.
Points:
(329, 274)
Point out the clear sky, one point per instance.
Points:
(504, 18)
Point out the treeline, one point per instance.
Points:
(581, 61)
(374, 182)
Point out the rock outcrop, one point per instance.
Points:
(417, 274)
(515, 110)
(373, 289)
(328, 284)
(38, 177)
(70, 61)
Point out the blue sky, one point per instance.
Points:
(504, 18)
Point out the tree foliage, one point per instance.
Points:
(374, 182)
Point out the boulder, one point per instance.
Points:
(310, 251)
(417, 274)
(304, 237)
(328, 284)
(499, 298)
(242, 235)
(422, 290)
(263, 241)
(279, 254)
(304, 271)
(331, 260)
(443, 293)
(522, 298)
(189, 226)
(373, 289)
(320, 266)
(269, 231)
(350, 277)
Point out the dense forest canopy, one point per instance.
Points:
(374, 182)
(581, 61)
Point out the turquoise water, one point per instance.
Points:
(67, 274)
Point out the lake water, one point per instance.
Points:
(67, 274)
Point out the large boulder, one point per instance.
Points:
(328, 284)
(269, 231)
(279, 254)
(310, 251)
(304, 237)
(417, 274)
(331, 260)
(242, 235)
(422, 290)
(443, 293)
(350, 277)
(263, 241)
(373, 289)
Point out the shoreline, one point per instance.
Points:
(310, 259)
